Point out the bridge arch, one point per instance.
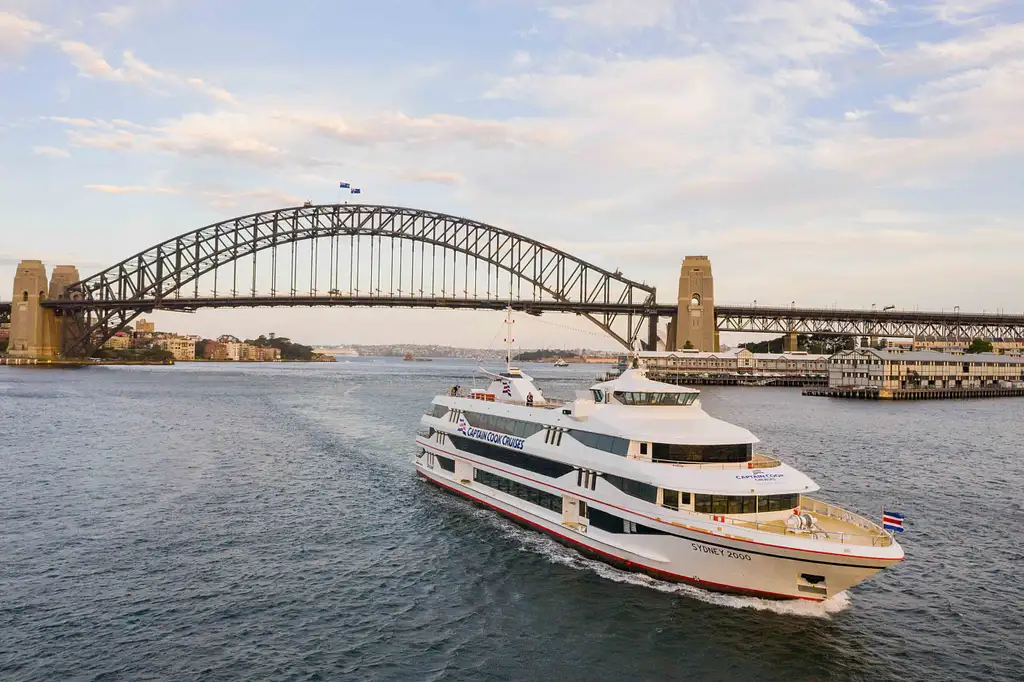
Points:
(97, 306)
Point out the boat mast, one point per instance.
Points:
(508, 339)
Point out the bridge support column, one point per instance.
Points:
(35, 330)
(695, 316)
(792, 344)
(652, 331)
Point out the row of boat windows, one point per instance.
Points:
(516, 489)
(663, 452)
(525, 429)
(507, 425)
(635, 398)
(744, 504)
(596, 518)
(516, 458)
(671, 499)
(666, 452)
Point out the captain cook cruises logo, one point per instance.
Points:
(489, 436)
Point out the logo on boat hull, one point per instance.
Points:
(489, 436)
(760, 476)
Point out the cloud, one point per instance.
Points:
(91, 63)
(118, 16)
(434, 177)
(978, 48)
(615, 15)
(17, 33)
(131, 189)
(265, 198)
(51, 151)
(958, 12)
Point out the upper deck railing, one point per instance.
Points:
(867, 533)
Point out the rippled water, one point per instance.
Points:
(264, 522)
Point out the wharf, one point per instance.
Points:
(915, 393)
(734, 380)
(72, 364)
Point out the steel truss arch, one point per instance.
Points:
(166, 271)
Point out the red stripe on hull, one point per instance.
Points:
(618, 561)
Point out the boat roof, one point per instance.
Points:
(635, 381)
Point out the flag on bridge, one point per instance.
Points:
(892, 521)
(356, 190)
(344, 185)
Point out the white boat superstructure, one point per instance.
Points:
(634, 472)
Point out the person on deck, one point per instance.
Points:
(529, 399)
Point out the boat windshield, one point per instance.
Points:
(636, 398)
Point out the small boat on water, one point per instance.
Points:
(408, 357)
(561, 363)
(633, 472)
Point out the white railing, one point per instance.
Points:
(874, 536)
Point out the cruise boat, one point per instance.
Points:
(634, 472)
(561, 363)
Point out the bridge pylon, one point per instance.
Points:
(36, 331)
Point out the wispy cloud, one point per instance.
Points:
(132, 189)
(55, 152)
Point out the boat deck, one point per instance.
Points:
(831, 523)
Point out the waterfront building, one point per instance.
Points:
(144, 327)
(119, 341)
(181, 348)
(213, 350)
(735, 361)
(233, 350)
(889, 371)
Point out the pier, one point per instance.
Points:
(914, 394)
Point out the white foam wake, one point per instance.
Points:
(539, 543)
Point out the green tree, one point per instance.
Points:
(980, 346)
(687, 345)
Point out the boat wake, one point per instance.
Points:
(537, 543)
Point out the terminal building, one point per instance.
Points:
(739, 361)
(887, 371)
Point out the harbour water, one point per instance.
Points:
(241, 522)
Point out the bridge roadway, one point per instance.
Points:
(728, 318)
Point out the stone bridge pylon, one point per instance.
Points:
(35, 330)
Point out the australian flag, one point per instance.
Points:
(356, 190)
(344, 185)
(892, 521)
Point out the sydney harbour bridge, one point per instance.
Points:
(387, 256)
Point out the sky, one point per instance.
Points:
(822, 152)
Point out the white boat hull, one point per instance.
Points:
(703, 559)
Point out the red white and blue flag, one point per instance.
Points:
(506, 389)
(892, 521)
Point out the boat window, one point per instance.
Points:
(512, 427)
(447, 463)
(744, 504)
(598, 395)
(516, 489)
(637, 398)
(439, 411)
(611, 523)
(642, 491)
(516, 458)
(670, 499)
(599, 441)
(740, 452)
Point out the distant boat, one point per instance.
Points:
(408, 357)
(561, 363)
